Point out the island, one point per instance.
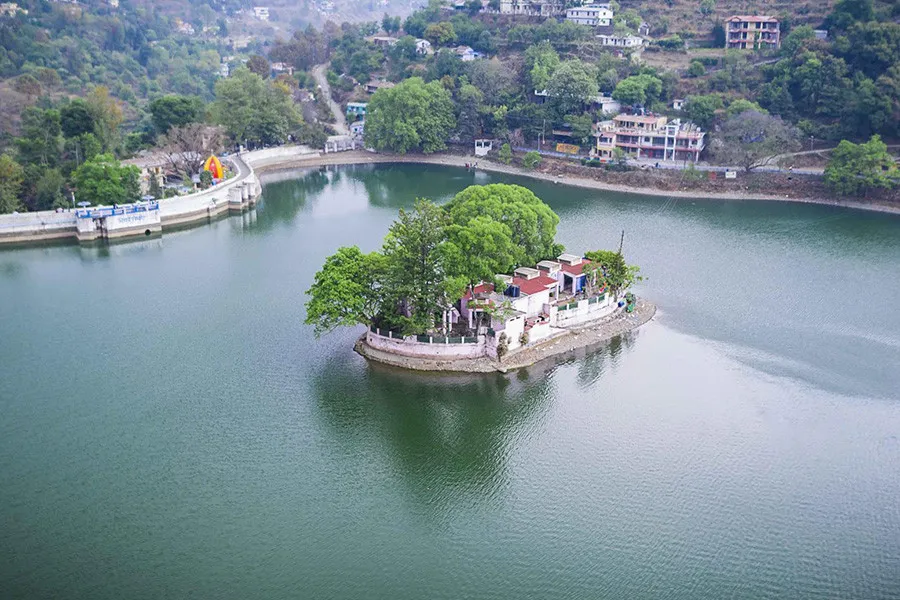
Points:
(478, 284)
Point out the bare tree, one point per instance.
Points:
(187, 147)
(752, 140)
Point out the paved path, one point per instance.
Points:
(340, 121)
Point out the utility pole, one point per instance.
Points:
(812, 140)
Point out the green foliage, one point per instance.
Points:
(410, 116)
(102, 180)
(696, 69)
(532, 224)
(346, 291)
(855, 169)
(440, 34)
(415, 273)
(41, 139)
(644, 90)
(76, 119)
(702, 109)
(582, 127)
(531, 160)
(49, 190)
(206, 180)
(541, 60)
(430, 257)
(609, 267)
(572, 84)
(175, 111)
(740, 105)
(505, 154)
(469, 103)
(674, 42)
(11, 178)
(253, 110)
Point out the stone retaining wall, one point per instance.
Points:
(439, 349)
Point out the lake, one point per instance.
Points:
(169, 427)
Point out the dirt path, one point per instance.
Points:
(340, 121)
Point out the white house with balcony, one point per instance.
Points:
(592, 15)
(621, 41)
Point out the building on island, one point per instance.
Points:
(752, 32)
(533, 8)
(592, 15)
(649, 136)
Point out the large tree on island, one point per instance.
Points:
(531, 222)
(752, 140)
(346, 291)
(431, 255)
(411, 116)
(416, 279)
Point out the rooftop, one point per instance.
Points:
(753, 18)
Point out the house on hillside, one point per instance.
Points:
(261, 12)
(466, 53)
(621, 41)
(592, 15)
(752, 32)
(378, 84)
(382, 41)
(423, 47)
(356, 110)
(10, 9)
(649, 136)
(533, 8)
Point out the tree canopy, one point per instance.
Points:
(431, 255)
(412, 116)
(855, 169)
(102, 180)
(254, 110)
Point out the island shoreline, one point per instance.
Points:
(593, 333)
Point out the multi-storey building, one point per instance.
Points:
(533, 8)
(592, 15)
(649, 136)
(752, 32)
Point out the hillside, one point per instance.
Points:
(685, 16)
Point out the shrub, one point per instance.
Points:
(502, 346)
(523, 339)
(531, 160)
(505, 154)
(696, 69)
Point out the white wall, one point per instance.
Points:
(411, 347)
(586, 312)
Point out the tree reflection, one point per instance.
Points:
(283, 199)
(447, 437)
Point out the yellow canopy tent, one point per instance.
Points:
(214, 166)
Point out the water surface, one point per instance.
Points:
(170, 428)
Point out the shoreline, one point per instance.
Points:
(593, 333)
(357, 157)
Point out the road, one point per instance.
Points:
(340, 121)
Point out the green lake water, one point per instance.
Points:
(169, 428)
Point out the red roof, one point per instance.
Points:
(481, 288)
(576, 269)
(535, 285)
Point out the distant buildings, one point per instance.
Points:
(357, 109)
(378, 84)
(423, 47)
(533, 8)
(10, 9)
(752, 32)
(261, 12)
(382, 41)
(466, 53)
(621, 41)
(592, 15)
(649, 136)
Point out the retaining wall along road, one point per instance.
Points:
(235, 195)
